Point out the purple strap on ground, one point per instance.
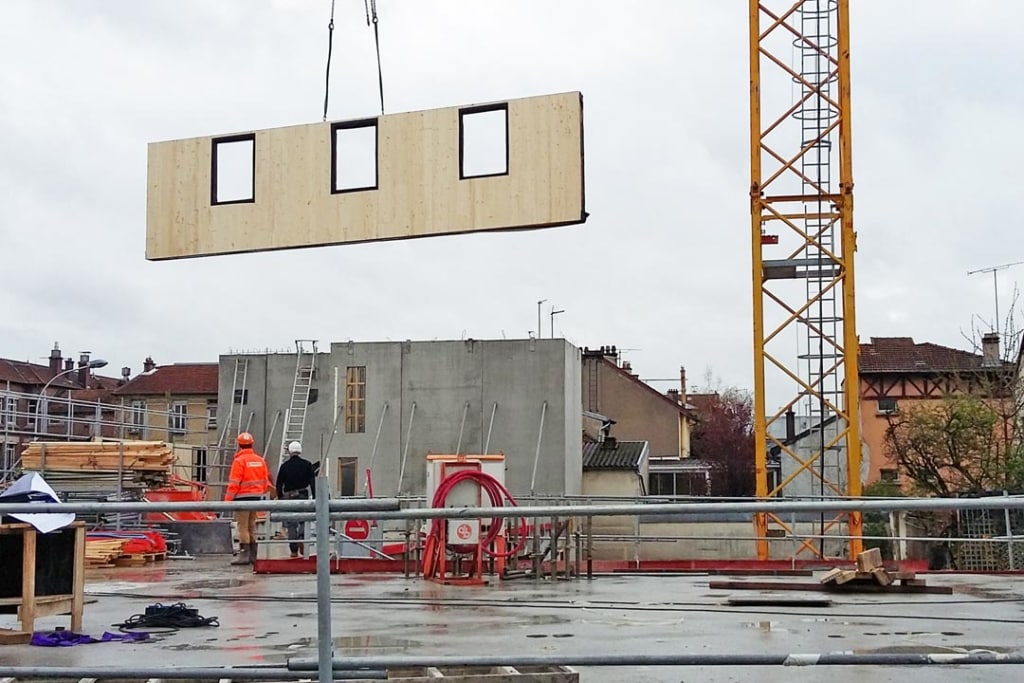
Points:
(70, 638)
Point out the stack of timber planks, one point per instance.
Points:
(869, 570)
(102, 552)
(145, 462)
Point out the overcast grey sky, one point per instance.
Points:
(662, 267)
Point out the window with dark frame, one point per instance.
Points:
(355, 399)
(888, 406)
(483, 141)
(241, 396)
(199, 465)
(233, 170)
(889, 475)
(354, 156)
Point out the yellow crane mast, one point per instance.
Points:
(803, 243)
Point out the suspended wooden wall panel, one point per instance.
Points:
(289, 196)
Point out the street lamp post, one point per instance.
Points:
(41, 408)
(553, 314)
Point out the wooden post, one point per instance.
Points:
(27, 610)
(78, 581)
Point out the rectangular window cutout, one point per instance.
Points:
(233, 174)
(354, 156)
(483, 141)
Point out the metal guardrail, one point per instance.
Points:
(330, 668)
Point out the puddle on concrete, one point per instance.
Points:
(925, 649)
(913, 633)
(355, 644)
(839, 621)
(211, 584)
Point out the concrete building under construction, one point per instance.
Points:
(383, 406)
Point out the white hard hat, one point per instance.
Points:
(294, 448)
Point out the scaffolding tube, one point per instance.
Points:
(359, 505)
(325, 644)
(660, 509)
(170, 673)
(673, 659)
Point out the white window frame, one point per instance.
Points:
(10, 410)
(177, 418)
(211, 414)
(31, 412)
(137, 417)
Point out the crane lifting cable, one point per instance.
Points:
(371, 19)
(330, 49)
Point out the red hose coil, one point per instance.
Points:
(498, 495)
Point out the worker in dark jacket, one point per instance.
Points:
(296, 480)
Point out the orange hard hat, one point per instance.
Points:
(245, 439)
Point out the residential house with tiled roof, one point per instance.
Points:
(75, 406)
(176, 403)
(642, 413)
(896, 372)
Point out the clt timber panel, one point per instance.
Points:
(419, 191)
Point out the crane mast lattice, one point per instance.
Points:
(801, 200)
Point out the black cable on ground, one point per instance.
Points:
(161, 618)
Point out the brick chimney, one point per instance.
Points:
(149, 364)
(682, 384)
(990, 350)
(83, 369)
(69, 363)
(55, 358)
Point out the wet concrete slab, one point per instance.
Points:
(267, 619)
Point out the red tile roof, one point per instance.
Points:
(903, 355)
(32, 374)
(179, 378)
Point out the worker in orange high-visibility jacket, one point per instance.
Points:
(249, 480)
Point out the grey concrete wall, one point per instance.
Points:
(719, 541)
(832, 466)
(431, 392)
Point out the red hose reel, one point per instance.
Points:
(498, 495)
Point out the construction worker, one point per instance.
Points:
(296, 480)
(249, 480)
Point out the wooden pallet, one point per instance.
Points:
(139, 559)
